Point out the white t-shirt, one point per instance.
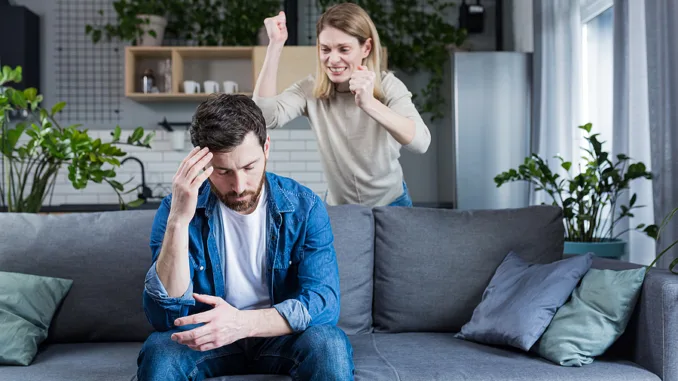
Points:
(245, 256)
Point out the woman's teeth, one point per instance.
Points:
(337, 69)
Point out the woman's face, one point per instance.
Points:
(341, 53)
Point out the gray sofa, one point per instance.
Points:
(410, 278)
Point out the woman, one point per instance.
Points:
(360, 119)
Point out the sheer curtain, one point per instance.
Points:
(631, 121)
(556, 63)
(662, 61)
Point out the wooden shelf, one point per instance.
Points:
(171, 97)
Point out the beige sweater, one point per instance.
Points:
(359, 156)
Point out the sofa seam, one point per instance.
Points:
(374, 345)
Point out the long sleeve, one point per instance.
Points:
(318, 300)
(161, 309)
(399, 99)
(286, 106)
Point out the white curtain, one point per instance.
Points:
(631, 126)
(662, 61)
(556, 63)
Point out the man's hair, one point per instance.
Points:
(222, 122)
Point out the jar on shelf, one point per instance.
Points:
(147, 81)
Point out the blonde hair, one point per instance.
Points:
(351, 19)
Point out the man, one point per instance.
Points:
(244, 276)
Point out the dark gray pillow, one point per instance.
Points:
(431, 266)
(521, 300)
(353, 229)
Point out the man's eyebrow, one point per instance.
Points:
(228, 169)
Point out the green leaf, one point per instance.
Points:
(116, 133)
(149, 137)
(30, 94)
(136, 203)
(587, 127)
(117, 185)
(58, 107)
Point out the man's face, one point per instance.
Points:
(238, 176)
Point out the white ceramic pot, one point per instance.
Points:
(155, 23)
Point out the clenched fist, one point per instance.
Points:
(361, 85)
(276, 28)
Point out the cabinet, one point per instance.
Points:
(240, 64)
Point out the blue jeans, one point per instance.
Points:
(319, 353)
(404, 199)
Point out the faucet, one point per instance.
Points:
(146, 192)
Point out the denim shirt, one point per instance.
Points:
(301, 266)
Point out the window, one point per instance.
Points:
(598, 67)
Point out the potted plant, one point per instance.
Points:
(33, 151)
(140, 22)
(590, 200)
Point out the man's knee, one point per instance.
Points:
(329, 347)
(160, 353)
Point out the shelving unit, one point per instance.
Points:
(224, 63)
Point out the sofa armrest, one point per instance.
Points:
(656, 339)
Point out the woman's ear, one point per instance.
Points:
(367, 47)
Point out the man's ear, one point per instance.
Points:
(267, 146)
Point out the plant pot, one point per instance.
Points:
(155, 23)
(615, 248)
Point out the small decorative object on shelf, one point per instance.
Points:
(148, 81)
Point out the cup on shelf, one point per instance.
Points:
(191, 87)
(211, 87)
(230, 87)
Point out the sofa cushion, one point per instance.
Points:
(439, 356)
(353, 230)
(27, 306)
(105, 254)
(594, 318)
(432, 265)
(78, 362)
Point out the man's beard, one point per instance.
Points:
(240, 206)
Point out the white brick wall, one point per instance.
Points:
(293, 154)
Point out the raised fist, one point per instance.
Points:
(276, 28)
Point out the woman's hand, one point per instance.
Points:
(276, 28)
(361, 85)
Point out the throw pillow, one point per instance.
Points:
(27, 305)
(521, 299)
(593, 319)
